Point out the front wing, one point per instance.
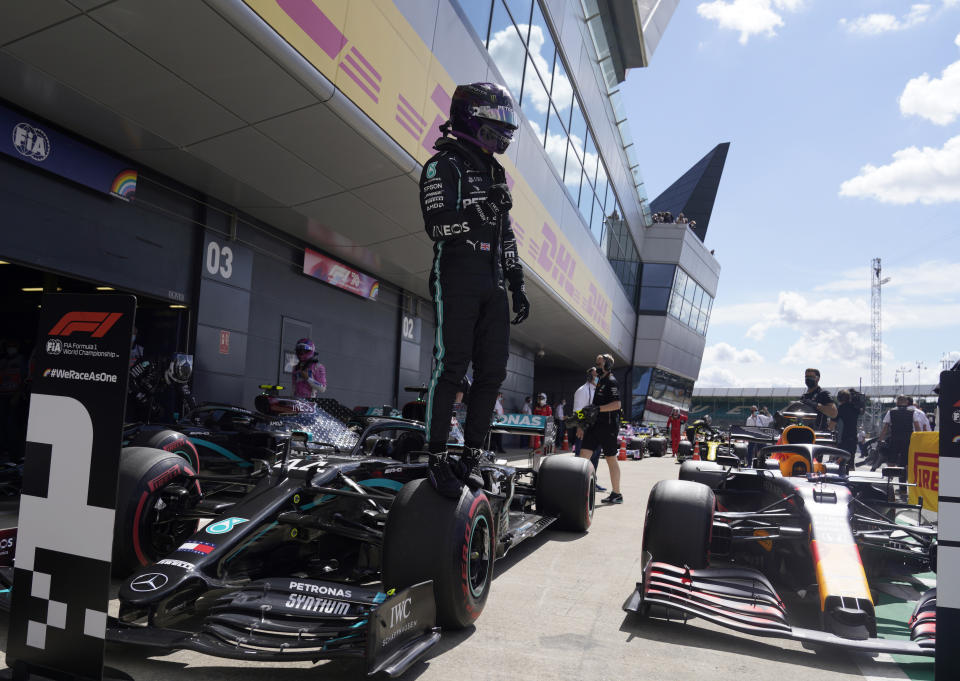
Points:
(257, 623)
(742, 599)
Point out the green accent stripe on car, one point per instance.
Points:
(226, 453)
(439, 350)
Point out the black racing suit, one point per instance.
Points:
(898, 442)
(474, 251)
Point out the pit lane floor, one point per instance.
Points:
(554, 613)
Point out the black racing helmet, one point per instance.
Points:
(484, 113)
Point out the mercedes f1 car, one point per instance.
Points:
(795, 524)
(342, 548)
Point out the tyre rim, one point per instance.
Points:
(165, 530)
(478, 564)
(591, 496)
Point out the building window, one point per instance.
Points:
(689, 303)
(516, 34)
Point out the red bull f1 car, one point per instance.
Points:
(725, 543)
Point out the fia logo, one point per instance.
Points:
(54, 346)
(31, 142)
(400, 612)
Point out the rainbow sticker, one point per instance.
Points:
(125, 185)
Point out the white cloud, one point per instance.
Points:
(875, 24)
(926, 175)
(849, 348)
(724, 352)
(936, 99)
(795, 310)
(717, 377)
(749, 17)
(508, 53)
(913, 280)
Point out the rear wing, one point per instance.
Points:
(523, 424)
(753, 434)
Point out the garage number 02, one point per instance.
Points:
(219, 260)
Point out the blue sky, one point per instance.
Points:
(844, 123)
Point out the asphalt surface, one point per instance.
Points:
(554, 612)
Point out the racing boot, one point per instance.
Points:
(445, 474)
(469, 460)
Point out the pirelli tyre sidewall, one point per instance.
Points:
(144, 474)
(679, 523)
(452, 542)
(566, 488)
(169, 441)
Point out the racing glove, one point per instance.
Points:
(521, 305)
(499, 195)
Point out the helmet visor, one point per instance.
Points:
(500, 114)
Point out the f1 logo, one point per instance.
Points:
(95, 323)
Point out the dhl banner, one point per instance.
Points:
(924, 468)
(373, 55)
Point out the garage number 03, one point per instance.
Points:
(219, 260)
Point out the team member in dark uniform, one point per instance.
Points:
(603, 433)
(465, 203)
(897, 428)
(824, 404)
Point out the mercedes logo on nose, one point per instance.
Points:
(149, 582)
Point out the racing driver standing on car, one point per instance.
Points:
(465, 203)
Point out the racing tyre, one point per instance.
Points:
(685, 505)
(566, 488)
(705, 472)
(169, 441)
(146, 527)
(684, 450)
(740, 450)
(657, 446)
(429, 536)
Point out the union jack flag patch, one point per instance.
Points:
(484, 246)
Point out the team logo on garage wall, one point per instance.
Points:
(31, 142)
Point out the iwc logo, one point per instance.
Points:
(54, 346)
(31, 142)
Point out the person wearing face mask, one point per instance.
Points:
(820, 399)
(897, 426)
(602, 435)
(13, 372)
(755, 420)
(581, 398)
(542, 409)
(309, 376)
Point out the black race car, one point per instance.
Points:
(342, 548)
(724, 542)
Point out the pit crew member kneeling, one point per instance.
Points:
(465, 203)
(605, 428)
